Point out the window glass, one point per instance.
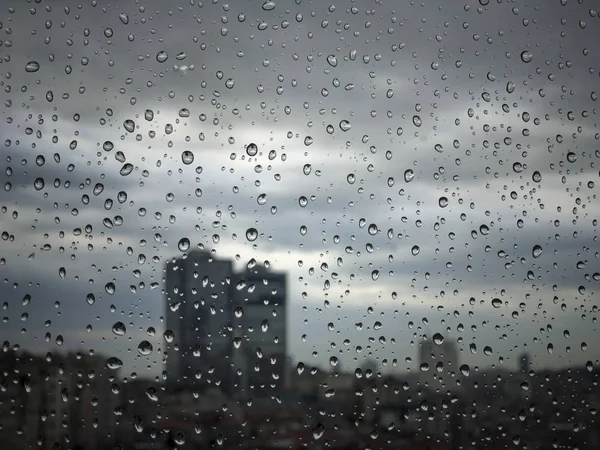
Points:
(282, 224)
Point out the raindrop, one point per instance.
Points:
(169, 336)
(187, 157)
(443, 202)
(409, 175)
(145, 348)
(251, 234)
(252, 149)
(536, 177)
(417, 121)
(184, 244)
(129, 125)
(345, 125)
(124, 18)
(496, 303)
(126, 169)
(536, 251)
(149, 115)
(39, 184)
(415, 250)
(268, 6)
(114, 363)
(90, 299)
(110, 288)
(318, 431)
(162, 56)
(332, 60)
(438, 339)
(526, 56)
(119, 328)
(32, 66)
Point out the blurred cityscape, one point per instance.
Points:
(229, 383)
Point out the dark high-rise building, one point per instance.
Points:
(524, 363)
(260, 331)
(199, 294)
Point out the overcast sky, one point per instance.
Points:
(427, 149)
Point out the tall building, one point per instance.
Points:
(439, 361)
(524, 363)
(199, 293)
(260, 318)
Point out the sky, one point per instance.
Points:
(442, 158)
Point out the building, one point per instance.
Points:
(260, 331)
(524, 363)
(199, 293)
(438, 359)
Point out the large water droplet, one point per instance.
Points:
(443, 202)
(415, 250)
(251, 234)
(32, 66)
(162, 56)
(110, 288)
(252, 149)
(318, 431)
(537, 251)
(119, 328)
(438, 339)
(184, 244)
(124, 18)
(409, 175)
(114, 363)
(129, 125)
(526, 56)
(332, 60)
(187, 157)
(145, 348)
(126, 169)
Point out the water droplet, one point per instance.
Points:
(169, 336)
(308, 140)
(332, 60)
(252, 149)
(119, 328)
(536, 177)
(496, 303)
(536, 251)
(251, 234)
(261, 199)
(318, 431)
(417, 121)
(238, 311)
(110, 288)
(409, 175)
(345, 125)
(184, 244)
(114, 363)
(126, 169)
(571, 157)
(124, 18)
(145, 348)
(465, 370)
(162, 56)
(90, 299)
(268, 6)
(443, 202)
(32, 66)
(108, 146)
(187, 157)
(149, 115)
(526, 56)
(415, 250)
(129, 125)
(438, 339)
(39, 184)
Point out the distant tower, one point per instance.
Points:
(524, 363)
(198, 311)
(440, 358)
